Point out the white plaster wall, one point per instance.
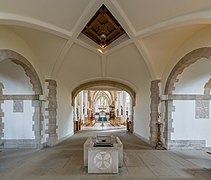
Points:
(142, 112)
(64, 111)
(186, 126)
(198, 40)
(13, 76)
(133, 70)
(45, 46)
(191, 81)
(14, 79)
(193, 78)
(12, 41)
(18, 125)
(79, 65)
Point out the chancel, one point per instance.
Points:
(105, 89)
(99, 112)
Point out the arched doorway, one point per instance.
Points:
(102, 99)
(187, 108)
(20, 117)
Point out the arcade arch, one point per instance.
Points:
(104, 96)
(188, 94)
(17, 98)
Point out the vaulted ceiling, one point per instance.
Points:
(154, 32)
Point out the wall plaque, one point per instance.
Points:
(202, 109)
(18, 106)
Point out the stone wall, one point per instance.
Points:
(51, 113)
(38, 119)
(168, 122)
(154, 110)
(1, 115)
(186, 144)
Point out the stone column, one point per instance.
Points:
(89, 100)
(38, 119)
(75, 109)
(51, 113)
(1, 115)
(89, 103)
(154, 110)
(81, 105)
(168, 128)
(124, 103)
(85, 103)
(131, 109)
(132, 129)
(118, 103)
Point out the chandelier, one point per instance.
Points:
(103, 37)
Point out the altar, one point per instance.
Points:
(100, 119)
(103, 154)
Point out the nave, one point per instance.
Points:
(106, 126)
(65, 161)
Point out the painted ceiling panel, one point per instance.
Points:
(79, 64)
(47, 47)
(61, 13)
(127, 64)
(143, 14)
(162, 46)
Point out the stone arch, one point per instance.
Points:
(6, 54)
(121, 86)
(207, 87)
(187, 60)
(118, 85)
(184, 62)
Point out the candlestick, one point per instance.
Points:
(102, 121)
(159, 144)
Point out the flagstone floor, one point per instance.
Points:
(141, 161)
(106, 126)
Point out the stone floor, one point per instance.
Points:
(107, 126)
(65, 162)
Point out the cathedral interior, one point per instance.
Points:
(74, 69)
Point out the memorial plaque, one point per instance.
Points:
(202, 109)
(18, 106)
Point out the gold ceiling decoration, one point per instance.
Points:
(103, 28)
